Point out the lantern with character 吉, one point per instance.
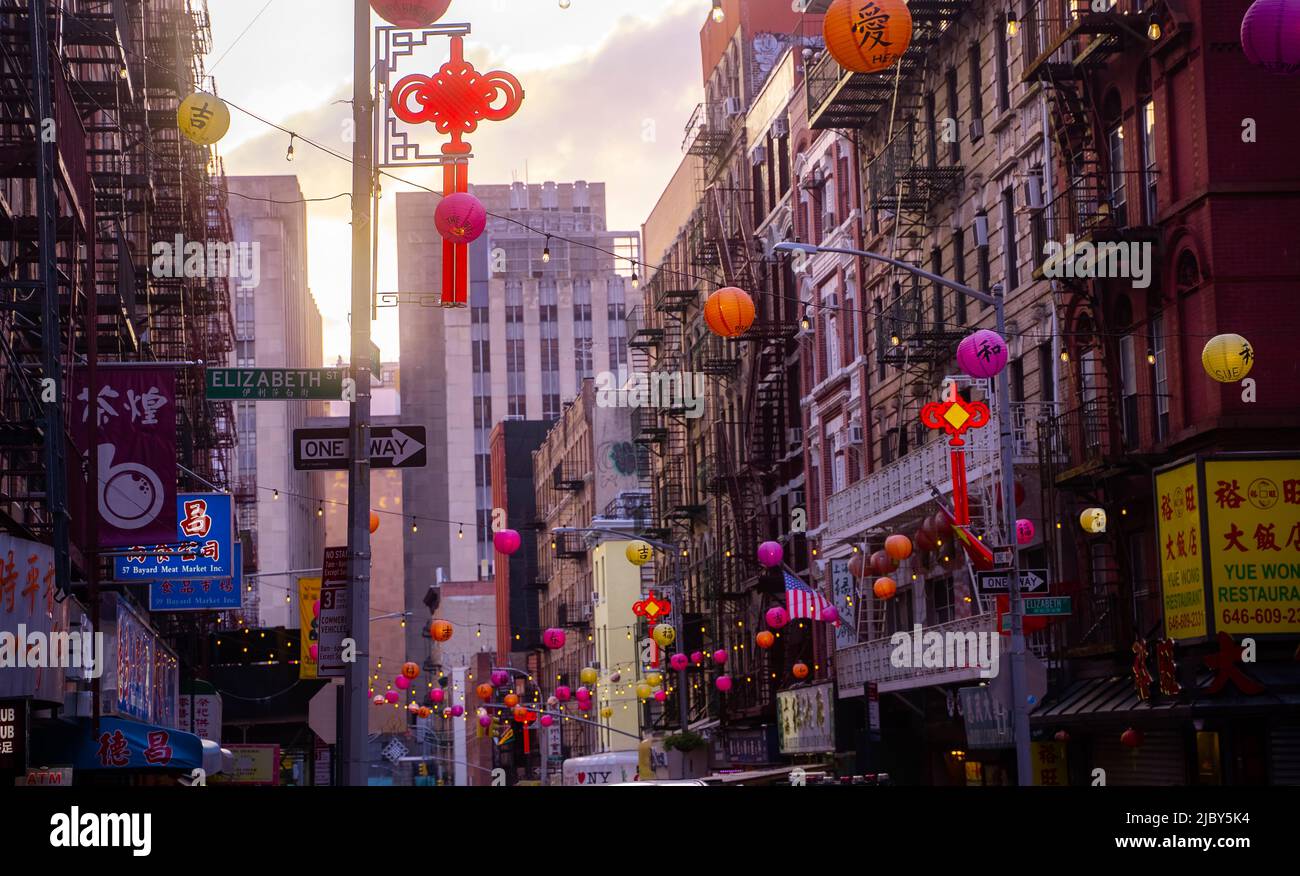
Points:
(203, 118)
(639, 553)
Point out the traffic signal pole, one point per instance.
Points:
(356, 699)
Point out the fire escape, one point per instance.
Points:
(1104, 436)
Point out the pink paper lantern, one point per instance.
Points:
(723, 683)
(720, 657)
(1024, 531)
(678, 662)
(457, 711)
(499, 677)
(770, 554)
(553, 638)
(315, 608)
(460, 218)
(1270, 35)
(660, 696)
(410, 13)
(402, 682)
(982, 354)
(392, 696)
(777, 617)
(697, 657)
(582, 694)
(437, 695)
(314, 651)
(562, 694)
(506, 541)
(485, 720)
(830, 614)
(546, 720)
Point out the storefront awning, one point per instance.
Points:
(122, 745)
(1114, 698)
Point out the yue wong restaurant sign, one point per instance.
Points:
(203, 545)
(1229, 531)
(806, 719)
(275, 384)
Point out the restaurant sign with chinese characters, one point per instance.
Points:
(28, 605)
(1229, 544)
(142, 674)
(204, 546)
(130, 745)
(806, 719)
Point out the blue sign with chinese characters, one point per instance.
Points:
(122, 745)
(204, 547)
(207, 594)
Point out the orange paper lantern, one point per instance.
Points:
(374, 522)
(884, 588)
(485, 691)
(410, 670)
(800, 670)
(511, 700)
(899, 547)
(867, 36)
(729, 312)
(765, 640)
(440, 630)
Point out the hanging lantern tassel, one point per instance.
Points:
(455, 256)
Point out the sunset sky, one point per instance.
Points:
(597, 77)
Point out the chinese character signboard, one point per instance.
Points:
(201, 545)
(254, 765)
(141, 674)
(806, 719)
(747, 747)
(13, 737)
(842, 587)
(1235, 519)
(988, 723)
(128, 745)
(1049, 764)
(27, 605)
(208, 594)
(200, 714)
(134, 429)
(1178, 530)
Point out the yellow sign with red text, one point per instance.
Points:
(308, 618)
(1049, 764)
(1253, 543)
(1178, 519)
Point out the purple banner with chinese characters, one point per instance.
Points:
(134, 433)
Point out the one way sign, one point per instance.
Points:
(390, 447)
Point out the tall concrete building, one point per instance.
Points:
(277, 325)
(550, 288)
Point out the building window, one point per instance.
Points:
(936, 267)
(1016, 385)
(1128, 391)
(959, 270)
(1046, 368)
(1149, 168)
(1118, 192)
(1010, 239)
(976, 95)
(931, 133)
(1159, 351)
(982, 259)
(954, 145)
(1003, 62)
(832, 346)
(942, 600)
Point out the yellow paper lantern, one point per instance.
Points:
(1228, 358)
(588, 675)
(654, 679)
(203, 118)
(639, 553)
(643, 691)
(606, 712)
(664, 635)
(1093, 519)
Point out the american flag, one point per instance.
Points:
(803, 601)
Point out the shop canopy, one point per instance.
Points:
(124, 745)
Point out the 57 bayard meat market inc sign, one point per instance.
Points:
(203, 547)
(275, 384)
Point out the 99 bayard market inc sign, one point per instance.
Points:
(806, 719)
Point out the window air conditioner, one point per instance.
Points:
(855, 434)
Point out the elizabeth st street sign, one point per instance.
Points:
(390, 447)
(276, 384)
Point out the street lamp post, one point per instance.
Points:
(1019, 691)
(683, 708)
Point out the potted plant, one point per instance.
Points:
(687, 755)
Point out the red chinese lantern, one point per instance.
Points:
(800, 670)
(511, 700)
(765, 640)
(884, 588)
(857, 565)
(440, 630)
(1270, 35)
(410, 13)
(485, 691)
(943, 526)
(424, 711)
(899, 547)
(410, 670)
(867, 37)
(924, 539)
(460, 218)
(1062, 736)
(729, 312)
(882, 563)
(1131, 737)
(374, 522)
(520, 714)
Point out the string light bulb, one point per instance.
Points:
(460, 532)
(1013, 25)
(636, 281)
(1154, 31)
(415, 527)
(718, 14)
(320, 510)
(1151, 357)
(546, 251)
(805, 321)
(564, 4)
(288, 155)
(275, 495)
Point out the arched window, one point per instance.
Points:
(1112, 115)
(1187, 272)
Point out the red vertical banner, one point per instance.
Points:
(134, 436)
(455, 256)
